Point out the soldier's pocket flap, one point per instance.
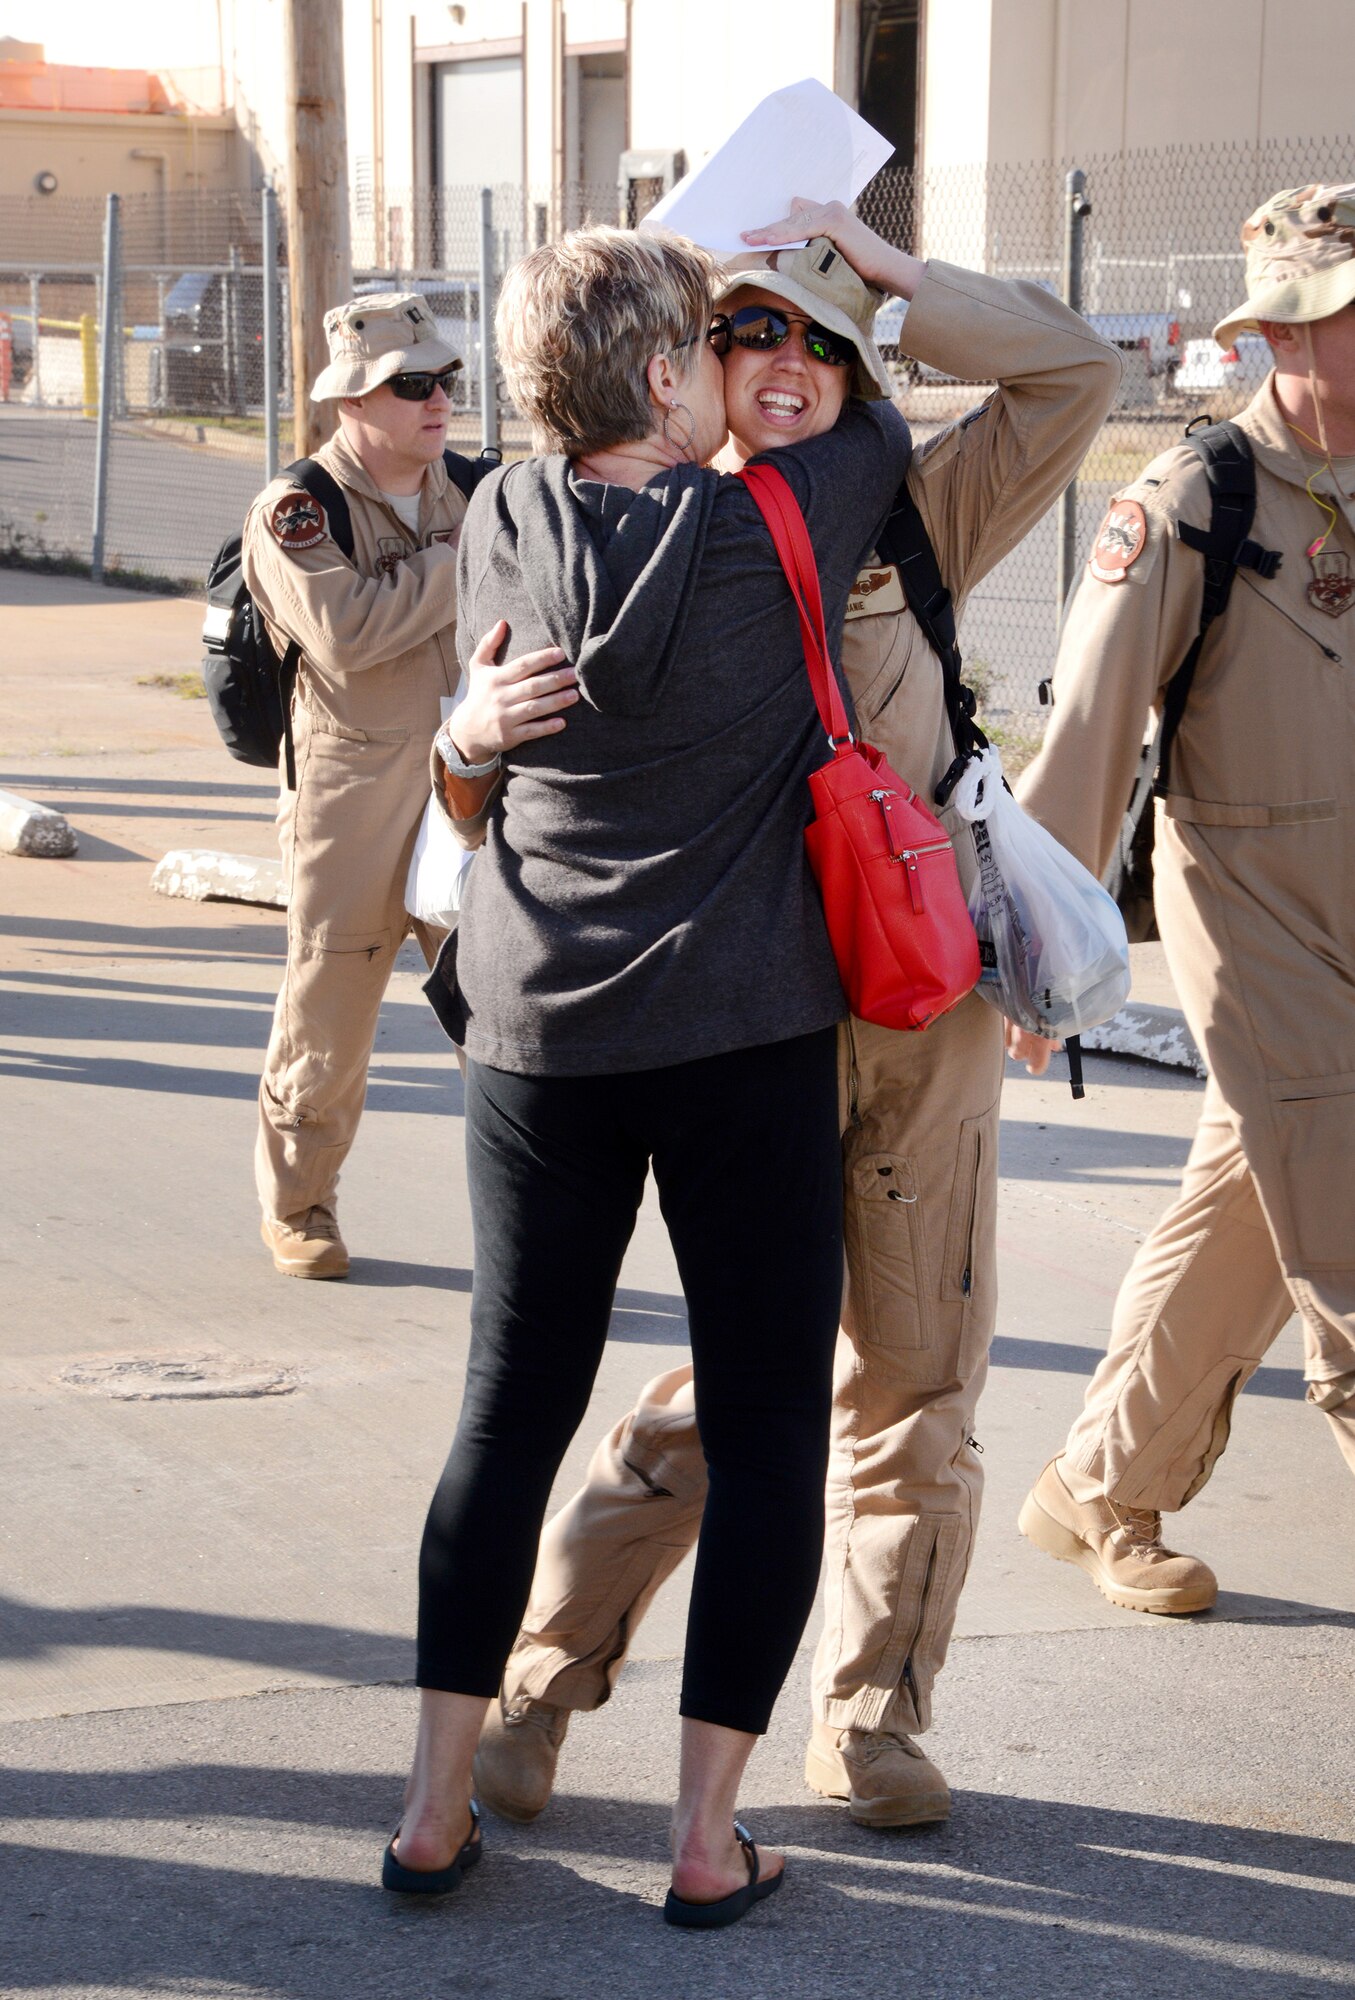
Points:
(323, 937)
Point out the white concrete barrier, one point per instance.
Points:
(36, 830)
(200, 875)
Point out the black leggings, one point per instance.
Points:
(748, 1167)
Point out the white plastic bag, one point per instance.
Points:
(1052, 942)
(437, 870)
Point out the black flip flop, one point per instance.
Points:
(432, 1881)
(714, 1916)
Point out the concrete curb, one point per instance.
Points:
(26, 828)
(1154, 1034)
(201, 875)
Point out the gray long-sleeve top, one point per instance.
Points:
(643, 897)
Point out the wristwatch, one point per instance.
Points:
(455, 762)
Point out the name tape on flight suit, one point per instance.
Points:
(877, 591)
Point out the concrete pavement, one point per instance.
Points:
(208, 1602)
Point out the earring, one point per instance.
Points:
(682, 445)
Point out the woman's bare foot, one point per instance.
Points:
(706, 1872)
(437, 1818)
(708, 1862)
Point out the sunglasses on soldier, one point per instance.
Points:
(764, 328)
(418, 388)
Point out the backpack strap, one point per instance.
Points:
(325, 488)
(466, 473)
(1226, 546)
(904, 541)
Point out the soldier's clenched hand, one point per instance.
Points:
(510, 701)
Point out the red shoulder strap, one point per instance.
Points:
(790, 537)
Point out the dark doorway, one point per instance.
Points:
(890, 35)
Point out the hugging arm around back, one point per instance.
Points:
(845, 480)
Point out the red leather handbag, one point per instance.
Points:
(897, 918)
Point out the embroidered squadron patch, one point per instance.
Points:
(298, 522)
(1120, 541)
(440, 535)
(875, 592)
(392, 554)
(1333, 587)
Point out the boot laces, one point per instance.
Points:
(1141, 1529)
(867, 1745)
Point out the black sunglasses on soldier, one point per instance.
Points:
(764, 329)
(418, 388)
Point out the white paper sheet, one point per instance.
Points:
(802, 140)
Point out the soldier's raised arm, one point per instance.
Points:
(984, 481)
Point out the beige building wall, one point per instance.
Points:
(97, 153)
(1025, 80)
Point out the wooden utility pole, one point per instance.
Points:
(319, 249)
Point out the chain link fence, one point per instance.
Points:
(188, 408)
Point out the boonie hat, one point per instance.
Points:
(1300, 249)
(822, 284)
(373, 338)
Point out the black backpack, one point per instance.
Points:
(1227, 547)
(249, 689)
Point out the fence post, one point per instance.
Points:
(489, 390)
(35, 307)
(269, 259)
(1076, 209)
(232, 358)
(108, 385)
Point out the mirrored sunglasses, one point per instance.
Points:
(764, 328)
(418, 388)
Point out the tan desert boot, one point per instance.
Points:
(885, 1779)
(515, 1763)
(306, 1245)
(1119, 1547)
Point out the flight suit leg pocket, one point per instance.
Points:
(1314, 1123)
(888, 1290)
(969, 1264)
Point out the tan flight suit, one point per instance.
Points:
(378, 639)
(1255, 892)
(920, 1115)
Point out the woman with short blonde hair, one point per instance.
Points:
(642, 979)
(578, 321)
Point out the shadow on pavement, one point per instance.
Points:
(29, 1631)
(249, 933)
(1016, 1898)
(1241, 1607)
(168, 787)
(1095, 1157)
(423, 1090)
(651, 1318)
(1062, 1357)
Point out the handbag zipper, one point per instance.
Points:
(907, 855)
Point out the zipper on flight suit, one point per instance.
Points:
(853, 1078)
(909, 1679)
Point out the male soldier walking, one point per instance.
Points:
(920, 1134)
(378, 655)
(1254, 862)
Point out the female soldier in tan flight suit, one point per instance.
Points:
(919, 1112)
